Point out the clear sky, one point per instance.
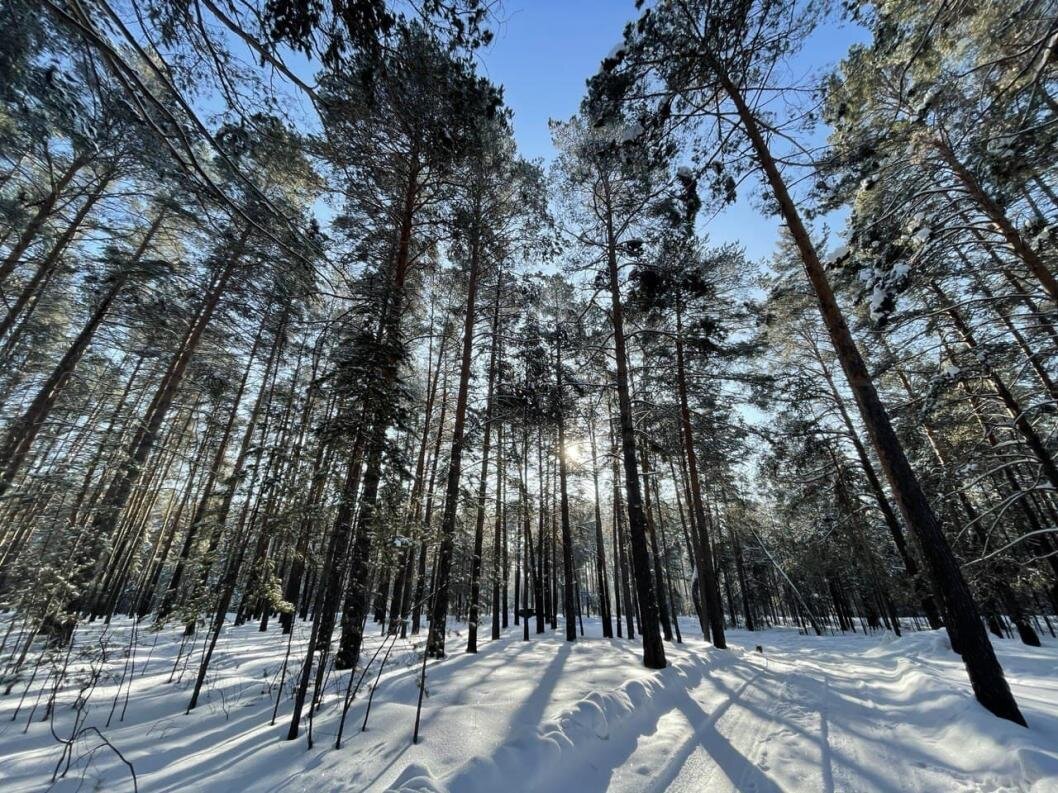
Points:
(543, 53)
(546, 49)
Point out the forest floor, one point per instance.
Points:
(835, 713)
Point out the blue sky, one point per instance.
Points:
(543, 52)
(546, 49)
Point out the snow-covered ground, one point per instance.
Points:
(850, 713)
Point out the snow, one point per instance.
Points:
(632, 132)
(840, 254)
(927, 100)
(1001, 146)
(833, 713)
(1046, 234)
(880, 296)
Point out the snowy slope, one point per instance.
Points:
(847, 713)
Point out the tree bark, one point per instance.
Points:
(653, 648)
(985, 672)
(20, 436)
(36, 223)
(568, 608)
(713, 606)
(486, 448)
(605, 613)
(439, 613)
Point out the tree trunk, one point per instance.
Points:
(36, 223)
(1021, 248)
(50, 263)
(486, 448)
(20, 435)
(653, 648)
(568, 607)
(985, 672)
(600, 551)
(499, 550)
(929, 607)
(714, 608)
(109, 509)
(439, 613)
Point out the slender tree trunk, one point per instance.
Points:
(439, 614)
(486, 448)
(929, 607)
(623, 585)
(499, 550)
(600, 551)
(653, 648)
(655, 553)
(19, 438)
(539, 571)
(1018, 244)
(44, 211)
(50, 263)
(713, 606)
(427, 521)
(109, 510)
(985, 672)
(568, 607)
(525, 545)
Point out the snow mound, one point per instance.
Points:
(841, 713)
(416, 778)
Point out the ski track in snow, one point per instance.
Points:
(836, 713)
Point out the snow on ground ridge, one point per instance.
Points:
(834, 713)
